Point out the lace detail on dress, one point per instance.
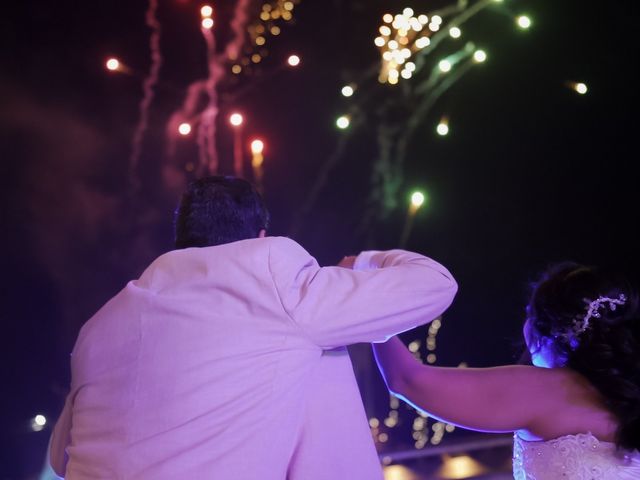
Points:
(575, 457)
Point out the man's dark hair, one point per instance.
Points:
(217, 210)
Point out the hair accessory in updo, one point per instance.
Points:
(581, 324)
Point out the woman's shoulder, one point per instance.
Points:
(562, 383)
(566, 384)
(575, 406)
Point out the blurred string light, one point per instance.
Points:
(38, 423)
(207, 23)
(479, 56)
(399, 472)
(347, 91)
(112, 64)
(206, 12)
(445, 66)
(442, 128)
(236, 119)
(580, 87)
(184, 129)
(343, 122)
(420, 422)
(417, 200)
(459, 467)
(257, 147)
(293, 60)
(257, 160)
(431, 336)
(523, 21)
(455, 32)
(273, 15)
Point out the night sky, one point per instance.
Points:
(530, 173)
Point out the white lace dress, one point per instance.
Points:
(575, 457)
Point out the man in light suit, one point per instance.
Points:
(226, 359)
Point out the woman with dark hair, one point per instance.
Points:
(576, 411)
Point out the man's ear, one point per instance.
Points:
(262, 233)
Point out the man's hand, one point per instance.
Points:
(347, 262)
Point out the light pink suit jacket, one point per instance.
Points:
(228, 362)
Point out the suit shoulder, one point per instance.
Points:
(285, 245)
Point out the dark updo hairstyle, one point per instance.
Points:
(607, 352)
(217, 210)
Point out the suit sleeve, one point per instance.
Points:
(387, 293)
(60, 439)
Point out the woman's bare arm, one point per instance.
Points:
(500, 399)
